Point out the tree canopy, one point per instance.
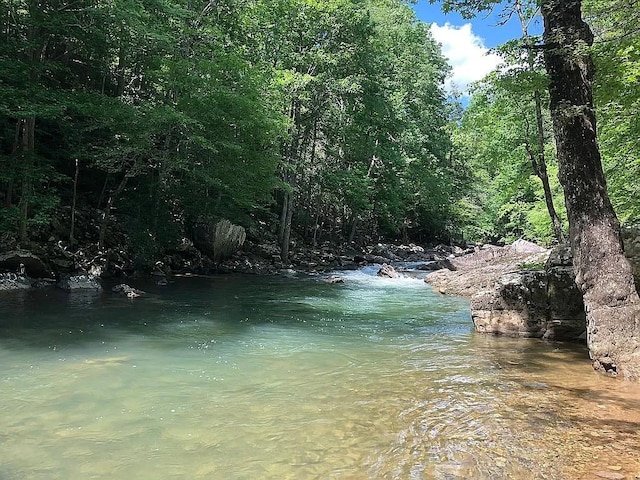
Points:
(161, 114)
(297, 119)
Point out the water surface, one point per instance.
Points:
(274, 378)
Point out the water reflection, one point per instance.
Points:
(235, 378)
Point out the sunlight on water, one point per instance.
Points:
(263, 378)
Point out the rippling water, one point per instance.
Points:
(272, 378)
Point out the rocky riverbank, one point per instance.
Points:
(523, 290)
(520, 290)
(85, 268)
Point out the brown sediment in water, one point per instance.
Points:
(585, 425)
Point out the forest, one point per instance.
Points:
(128, 123)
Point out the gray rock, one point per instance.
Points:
(524, 246)
(376, 259)
(532, 303)
(445, 263)
(388, 271)
(560, 256)
(430, 266)
(220, 240)
(386, 251)
(63, 264)
(76, 282)
(44, 283)
(13, 281)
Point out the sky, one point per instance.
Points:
(467, 43)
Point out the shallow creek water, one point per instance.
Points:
(274, 378)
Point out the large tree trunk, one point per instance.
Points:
(603, 274)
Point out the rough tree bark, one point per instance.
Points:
(603, 274)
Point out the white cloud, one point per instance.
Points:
(467, 55)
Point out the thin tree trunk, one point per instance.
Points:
(107, 211)
(28, 147)
(283, 217)
(603, 274)
(73, 204)
(542, 172)
(354, 227)
(103, 191)
(14, 150)
(316, 228)
(539, 162)
(120, 70)
(286, 237)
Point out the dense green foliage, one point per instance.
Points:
(616, 25)
(496, 135)
(505, 200)
(506, 138)
(178, 112)
(294, 118)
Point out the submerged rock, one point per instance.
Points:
(334, 279)
(127, 290)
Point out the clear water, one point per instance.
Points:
(273, 378)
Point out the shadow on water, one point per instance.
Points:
(219, 307)
(224, 305)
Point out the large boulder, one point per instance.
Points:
(479, 271)
(220, 241)
(524, 290)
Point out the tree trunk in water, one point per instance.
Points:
(603, 274)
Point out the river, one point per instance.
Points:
(237, 377)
